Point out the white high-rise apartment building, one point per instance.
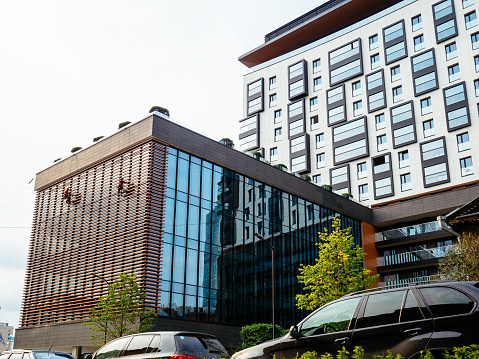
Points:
(375, 98)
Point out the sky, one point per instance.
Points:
(73, 70)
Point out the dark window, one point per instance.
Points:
(138, 345)
(411, 311)
(113, 349)
(189, 343)
(373, 42)
(444, 301)
(382, 309)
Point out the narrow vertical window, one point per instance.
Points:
(397, 94)
(277, 116)
(272, 100)
(313, 104)
(426, 107)
(454, 73)
(466, 166)
(428, 127)
(375, 61)
(314, 122)
(320, 160)
(470, 19)
(362, 170)
(467, 3)
(320, 140)
(373, 42)
(403, 159)
(278, 134)
(475, 41)
(316, 66)
(406, 182)
(395, 73)
(358, 108)
(380, 122)
(463, 142)
(356, 88)
(451, 51)
(273, 154)
(416, 23)
(317, 85)
(476, 87)
(363, 192)
(382, 143)
(476, 63)
(419, 43)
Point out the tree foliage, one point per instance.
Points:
(338, 269)
(258, 333)
(123, 124)
(462, 262)
(75, 149)
(121, 312)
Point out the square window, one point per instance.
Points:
(428, 127)
(273, 154)
(375, 61)
(272, 100)
(382, 143)
(476, 63)
(471, 19)
(451, 51)
(467, 3)
(277, 116)
(272, 83)
(476, 87)
(397, 94)
(463, 142)
(373, 42)
(278, 134)
(316, 66)
(314, 121)
(419, 43)
(363, 192)
(403, 159)
(356, 88)
(416, 23)
(426, 106)
(362, 170)
(317, 85)
(320, 140)
(380, 121)
(317, 179)
(395, 73)
(454, 73)
(320, 160)
(406, 182)
(475, 41)
(466, 166)
(358, 108)
(313, 104)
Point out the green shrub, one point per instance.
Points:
(96, 139)
(160, 109)
(74, 149)
(123, 124)
(58, 159)
(254, 334)
(327, 187)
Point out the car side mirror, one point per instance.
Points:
(294, 332)
(88, 356)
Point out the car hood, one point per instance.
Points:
(262, 350)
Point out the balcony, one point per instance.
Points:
(405, 282)
(429, 254)
(409, 234)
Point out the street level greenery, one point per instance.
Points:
(338, 269)
(258, 333)
(120, 312)
(465, 352)
(462, 262)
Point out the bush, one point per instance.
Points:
(327, 187)
(96, 139)
(227, 142)
(281, 166)
(305, 177)
(58, 159)
(123, 124)
(74, 149)
(254, 334)
(160, 109)
(347, 195)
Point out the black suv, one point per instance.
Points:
(173, 345)
(404, 320)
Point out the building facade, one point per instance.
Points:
(378, 100)
(184, 221)
(6, 337)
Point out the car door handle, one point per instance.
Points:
(342, 340)
(413, 331)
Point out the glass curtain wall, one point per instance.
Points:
(213, 267)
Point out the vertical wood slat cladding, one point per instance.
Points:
(99, 232)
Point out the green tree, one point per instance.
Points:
(121, 312)
(338, 269)
(258, 333)
(462, 262)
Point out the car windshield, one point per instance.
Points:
(51, 355)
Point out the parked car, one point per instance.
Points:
(404, 320)
(34, 354)
(173, 345)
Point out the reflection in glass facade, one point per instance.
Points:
(213, 267)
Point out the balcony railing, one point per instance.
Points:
(404, 282)
(410, 231)
(420, 255)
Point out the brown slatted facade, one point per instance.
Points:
(98, 232)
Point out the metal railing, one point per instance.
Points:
(414, 256)
(410, 231)
(404, 282)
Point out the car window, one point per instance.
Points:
(4, 356)
(445, 301)
(138, 345)
(214, 346)
(332, 318)
(189, 343)
(26, 356)
(49, 355)
(154, 345)
(113, 349)
(382, 309)
(16, 356)
(411, 310)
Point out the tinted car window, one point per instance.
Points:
(382, 309)
(112, 350)
(49, 355)
(214, 346)
(188, 343)
(333, 318)
(138, 345)
(154, 345)
(445, 301)
(411, 310)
